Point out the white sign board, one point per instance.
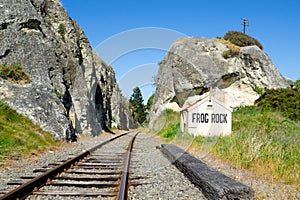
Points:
(206, 117)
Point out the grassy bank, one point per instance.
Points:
(20, 137)
(167, 125)
(265, 142)
(262, 141)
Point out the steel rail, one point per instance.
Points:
(27, 188)
(123, 190)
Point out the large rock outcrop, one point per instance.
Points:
(193, 65)
(117, 113)
(71, 89)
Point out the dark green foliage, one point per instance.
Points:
(14, 73)
(241, 39)
(137, 108)
(258, 90)
(286, 101)
(149, 102)
(297, 84)
(62, 30)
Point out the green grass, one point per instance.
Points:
(262, 141)
(167, 125)
(61, 28)
(20, 137)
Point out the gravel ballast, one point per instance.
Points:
(25, 166)
(152, 175)
(162, 179)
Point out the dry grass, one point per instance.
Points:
(14, 73)
(229, 45)
(181, 39)
(233, 49)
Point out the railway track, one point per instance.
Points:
(102, 171)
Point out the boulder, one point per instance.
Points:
(194, 65)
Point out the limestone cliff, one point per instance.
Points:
(193, 65)
(71, 88)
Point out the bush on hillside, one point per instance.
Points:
(241, 39)
(297, 84)
(286, 101)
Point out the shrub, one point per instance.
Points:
(150, 102)
(258, 90)
(241, 39)
(297, 84)
(62, 30)
(286, 101)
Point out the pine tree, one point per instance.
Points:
(137, 107)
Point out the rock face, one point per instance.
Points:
(115, 105)
(193, 65)
(71, 88)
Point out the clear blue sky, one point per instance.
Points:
(274, 23)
